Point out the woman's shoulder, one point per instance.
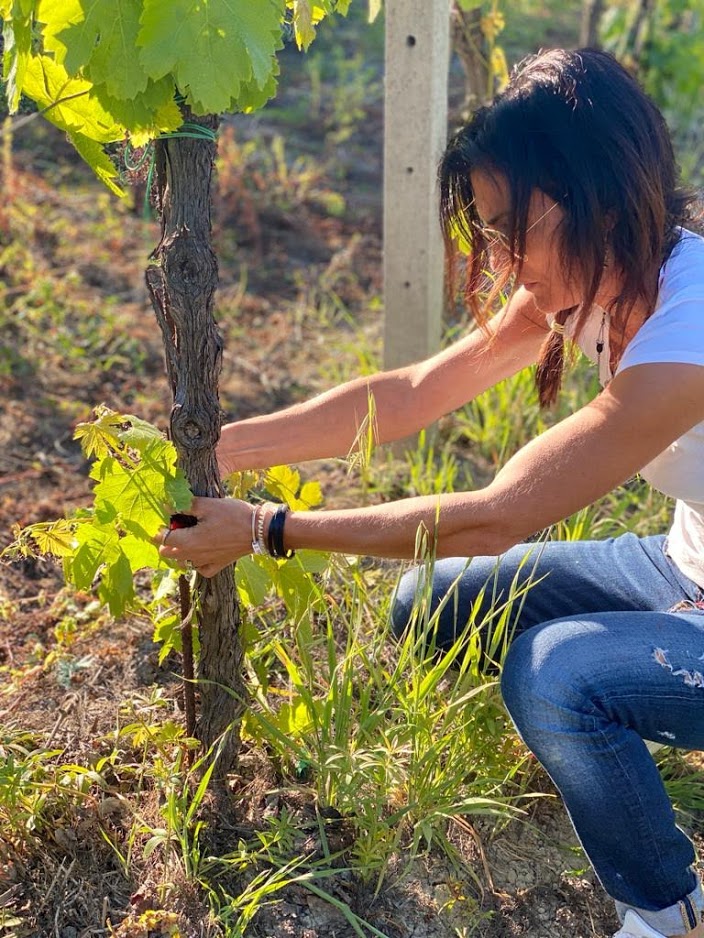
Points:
(682, 274)
(674, 332)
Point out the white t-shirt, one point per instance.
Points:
(673, 333)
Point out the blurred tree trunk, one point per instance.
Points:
(638, 33)
(469, 43)
(591, 15)
(182, 279)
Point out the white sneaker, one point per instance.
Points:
(635, 927)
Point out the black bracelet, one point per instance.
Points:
(275, 535)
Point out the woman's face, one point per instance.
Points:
(541, 273)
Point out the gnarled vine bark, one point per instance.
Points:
(182, 279)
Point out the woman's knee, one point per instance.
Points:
(545, 676)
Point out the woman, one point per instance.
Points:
(565, 187)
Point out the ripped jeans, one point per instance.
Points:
(597, 664)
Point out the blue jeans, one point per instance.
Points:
(598, 662)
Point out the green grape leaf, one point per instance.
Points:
(98, 160)
(97, 437)
(26, 7)
(137, 496)
(178, 493)
(97, 545)
(211, 48)
(57, 16)
(116, 588)
(165, 585)
(306, 15)
(137, 479)
(167, 632)
(17, 40)
(147, 115)
(252, 97)
(240, 484)
(251, 728)
(98, 37)
(69, 102)
(158, 453)
(310, 496)
(283, 482)
(140, 435)
(56, 538)
(141, 553)
(254, 579)
(250, 635)
(108, 430)
(295, 719)
(312, 561)
(298, 590)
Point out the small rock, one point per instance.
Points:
(65, 838)
(109, 806)
(442, 895)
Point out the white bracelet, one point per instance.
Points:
(257, 544)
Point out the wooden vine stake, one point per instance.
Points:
(182, 278)
(189, 695)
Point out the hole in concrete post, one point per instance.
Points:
(407, 284)
(410, 40)
(409, 170)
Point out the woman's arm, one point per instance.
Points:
(405, 400)
(643, 410)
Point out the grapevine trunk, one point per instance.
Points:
(182, 279)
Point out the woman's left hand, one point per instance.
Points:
(222, 535)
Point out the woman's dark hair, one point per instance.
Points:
(579, 127)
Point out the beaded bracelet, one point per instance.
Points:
(275, 535)
(257, 544)
(260, 526)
